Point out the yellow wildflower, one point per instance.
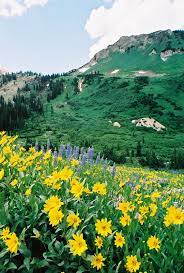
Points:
(119, 240)
(55, 216)
(153, 243)
(14, 183)
(99, 242)
(144, 210)
(75, 162)
(174, 216)
(52, 203)
(12, 242)
(103, 227)
(125, 207)
(153, 208)
(100, 188)
(66, 174)
(1, 174)
(5, 233)
(132, 264)
(78, 245)
(28, 192)
(97, 261)
(125, 220)
(77, 190)
(73, 220)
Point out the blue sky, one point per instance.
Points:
(51, 36)
(47, 39)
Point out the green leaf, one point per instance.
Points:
(25, 251)
(81, 269)
(118, 267)
(27, 263)
(11, 266)
(3, 253)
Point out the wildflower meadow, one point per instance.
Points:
(60, 215)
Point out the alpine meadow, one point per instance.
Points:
(92, 154)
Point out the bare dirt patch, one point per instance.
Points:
(10, 89)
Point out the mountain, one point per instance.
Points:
(128, 101)
(158, 52)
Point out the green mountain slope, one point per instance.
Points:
(160, 52)
(83, 118)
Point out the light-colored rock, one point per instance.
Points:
(80, 85)
(117, 124)
(86, 67)
(147, 73)
(153, 52)
(115, 71)
(164, 55)
(149, 123)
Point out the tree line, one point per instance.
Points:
(5, 78)
(13, 113)
(29, 99)
(144, 157)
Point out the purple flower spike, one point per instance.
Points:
(55, 157)
(36, 146)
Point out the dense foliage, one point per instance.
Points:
(29, 99)
(57, 215)
(5, 78)
(14, 113)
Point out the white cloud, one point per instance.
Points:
(9, 8)
(30, 3)
(128, 17)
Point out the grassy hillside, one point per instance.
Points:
(83, 118)
(130, 62)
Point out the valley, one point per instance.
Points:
(126, 82)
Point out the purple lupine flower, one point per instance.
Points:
(84, 159)
(36, 146)
(61, 150)
(68, 151)
(90, 153)
(76, 153)
(98, 159)
(55, 157)
(71, 152)
(113, 173)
